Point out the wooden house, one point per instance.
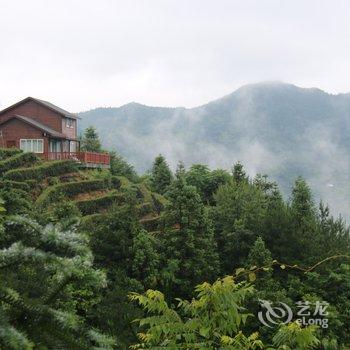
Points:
(38, 126)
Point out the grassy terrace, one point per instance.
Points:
(92, 192)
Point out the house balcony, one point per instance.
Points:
(88, 159)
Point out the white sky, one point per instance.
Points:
(82, 54)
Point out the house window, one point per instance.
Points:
(32, 145)
(69, 123)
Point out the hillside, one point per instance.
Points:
(273, 128)
(47, 186)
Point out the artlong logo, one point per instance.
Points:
(282, 313)
(274, 315)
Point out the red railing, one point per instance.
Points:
(83, 157)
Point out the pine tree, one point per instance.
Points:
(146, 259)
(199, 177)
(129, 255)
(47, 286)
(240, 212)
(304, 218)
(90, 141)
(206, 182)
(259, 255)
(238, 173)
(189, 237)
(161, 176)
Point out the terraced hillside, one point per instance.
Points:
(27, 182)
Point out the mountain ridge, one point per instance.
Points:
(275, 128)
(245, 86)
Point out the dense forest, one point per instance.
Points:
(111, 259)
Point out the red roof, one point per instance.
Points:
(46, 104)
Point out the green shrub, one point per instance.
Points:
(100, 174)
(64, 210)
(145, 192)
(15, 184)
(71, 189)
(8, 152)
(31, 183)
(124, 182)
(88, 221)
(18, 160)
(91, 206)
(52, 181)
(159, 202)
(43, 171)
(151, 224)
(145, 208)
(16, 201)
(116, 182)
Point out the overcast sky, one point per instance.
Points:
(82, 54)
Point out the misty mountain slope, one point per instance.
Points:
(273, 128)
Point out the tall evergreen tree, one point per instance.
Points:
(304, 219)
(240, 213)
(161, 175)
(189, 237)
(48, 286)
(129, 255)
(259, 255)
(238, 173)
(90, 141)
(206, 182)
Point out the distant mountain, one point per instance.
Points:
(274, 128)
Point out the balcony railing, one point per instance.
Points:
(82, 157)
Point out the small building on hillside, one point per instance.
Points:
(38, 126)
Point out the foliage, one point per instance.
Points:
(16, 201)
(206, 182)
(189, 237)
(90, 141)
(15, 184)
(131, 258)
(8, 152)
(71, 189)
(41, 172)
(208, 224)
(120, 167)
(161, 176)
(211, 320)
(18, 160)
(63, 211)
(293, 336)
(91, 206)
(44, 274)
(215, 319)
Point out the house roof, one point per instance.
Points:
(46, 104)
(38, 125)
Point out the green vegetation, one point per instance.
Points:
(90, 206)
(70, 189)
(15, 184)
(90, 141)
(98, 259)
(161, 175)
(18, 160)
(268, 125)
(47, 285)
(8, 152)
(41, 172)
